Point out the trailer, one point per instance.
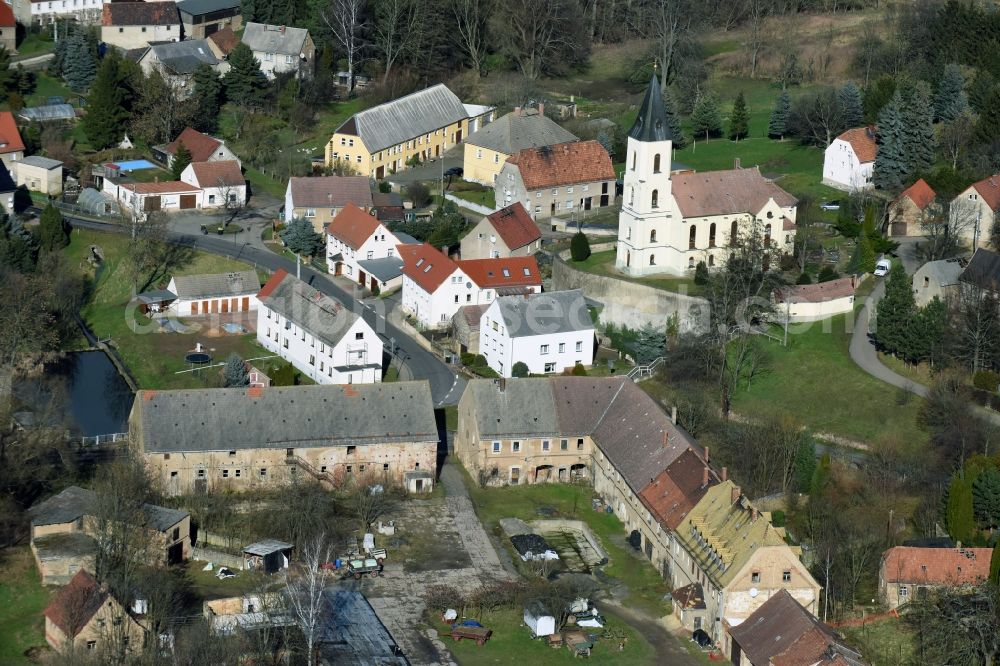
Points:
(365, 567)
(478, 634)
(538, 620)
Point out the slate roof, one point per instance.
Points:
(223, 173)
(402, 119)
(240, 283)
(200, 145)
(989, 190)
(331, 191)
(863, 141)
(10, 137)
(820, 292)
(384, 268)
(773, 628)
(502, 272)
(514, 226)
(517, 130)
(284, 416)
(75, 604)
(524, 408)
(545, 313)
(936, 566)
(280, 39)
(920, 193)
(75, 502)
(184, 57)
(563, 164)
(708, 193)
(140, 13)
(353, 226)
(943, 272)
(983, 270)
(199, 7)
(40, 162)
(312, 310)
(651, 122)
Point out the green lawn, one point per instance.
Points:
(33, 45)
(260, 182)
(482, 197)
(512, 643)
(625, 567)
(884, 643)
(22, 600)
(603, 263)
(48, 86)
(815, 381)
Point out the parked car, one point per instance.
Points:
(830, 205)
(455, 171)
(882, 267)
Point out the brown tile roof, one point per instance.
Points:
(708, 193)
(167, 187)
(862, 140)
(503, 272)
(514, 226)
(989, 190)
(7, 19)
(773, 628)
(224, 173)
(140, 13)
(75, 604)
(936, 566)
(677, 489)
(272, 283)
(563, 164)
(473, 315)
(331, 191)
(200, 145)
(425, 265)
(689, 597)
(817, 647)
(820, 292)
(920, 193)
(353, 226)
(225, 40)
(10, 138)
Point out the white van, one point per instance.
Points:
(882, 267)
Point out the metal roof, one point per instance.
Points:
(286, 40)
(198, 7)
(403, 119)
(238, 283)
(651, 123)
(517, 130)
(545, 313)
(267, 546)
(40, 162)
(384, 268)
(48, 112)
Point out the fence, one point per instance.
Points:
(100, 440)
(465, 203)
(216, 557)
(645, 371)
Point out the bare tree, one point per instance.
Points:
(757, 14)
(398, 24)
(233, 198)
(977, 326)
(471, 21)
(671, 21)
(955, 136)
(538, 33)
(946, 229)
(346, 22)
(305, 590)
(369, 501)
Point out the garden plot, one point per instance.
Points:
(577, 547)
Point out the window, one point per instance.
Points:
(371, 254)
(569, 190)
(166, 456)
(479, 153)
(563, 444)
(144, 28)
(91, 645)
(711, 260)
(288, 59)
(733, 232)
(200, 474)
(496, 159)
(562, 347)
(268, 57)
(691, 237)
(225, 474)
(903, 591)
(579, 345)
(579, 444)
(550, 367)
(359, 335)
(543, 350)
(631, 196)
(655, 199)
(385, 467)
(786, 576)
(211, 198)
(515, 447)
(767, 234)
(310, 212)
(263, 472)
(238, 473)
(652, 236)
(652, 260)
(633, 161)
(755, 577)
(545, 445)
(656, 163)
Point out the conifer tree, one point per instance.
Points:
(778, 124)
(950, 99)
(705, 117)
(739, 120)
(244, 82)
(674, 120)
(919, 138)
(852, 109)
(79, 62)
(53, 231)
(300, 237)
(106, 118)
(959, 510)
(988, 127)
(928, 331)
(986, 498)
(895, 312)
(235, 373)
(208, 98)
(182, 158)
(890, 162)
(579, 247)
(995, 566)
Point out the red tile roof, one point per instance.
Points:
(10, 138)
(224, 173)
(200, 145)
(862, 140)
(225, 40)
(167, 187)
(140, 13)
(7, 19)
(425, 265)
(514, 226)
(820, 292)
(920, 193)
(989, 190)
(75, 604)
(504, 272)
(726, 192)
(272, 283)
(353, 226)
(672, 494)
(816, 647)
(563, 164)
(936, 566)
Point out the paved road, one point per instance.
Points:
(446, 387)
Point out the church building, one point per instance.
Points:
(670, 222)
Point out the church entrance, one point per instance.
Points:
(628, 258)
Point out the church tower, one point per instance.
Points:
(647, 202)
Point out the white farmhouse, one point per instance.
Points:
(47, 12)
(973, 212)
(222, 183)
(812, 302)
(323, 339)
(670, 222)
(217, 293)
(135, 25)
(281, 49)
(548, 332)
(435, 286)
(849, 162)
(354, 236)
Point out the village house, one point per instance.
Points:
(47, 12)
(230, 615)
(223, 42)
(320, 199)
(670, 222)
(84, 618)
(389, 137)
(465, 328)
(356, 235)
(217, 440)
(908, 573)
(221, 183)
(216, 293)
(8, 28)
(487, 150)
(203, 148)
(783, 633)
(11, 143)
(812, 302)
(389, 206)
(973, 213)
(323, 339)
(909, 210)
(849, 161)
(936, 279)
(64, 528)
(281, 49)
(508, 232)
(144, 198)
(982, 274)
(39, 174)
(548, 332)
(202, 18)
(177, 62)
(133, 25)
(554, 181)
(435, 286)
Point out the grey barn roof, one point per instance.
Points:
(384, 268)
(983, 270)
(312, 310)
(284, 417)
(198, 7)
(239, 283)
(281, 39)
(545, 313)
(75, 502)
(40, 162)
(405, 118)
(945, 272)
(518, 130)
(184, 57)
(267, 546)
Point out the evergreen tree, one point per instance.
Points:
(805, 464)
(520, 369)
(739, 120)
(950, 99)
(827, 273)
(804, 278)
(182, 158)
(18, 246)
(988, 128)
(53, 230)
(928, 331)
(890, 162)
(107, 115)
(995, 565)
(79, 62)
(959, 510)
(244, 82)
(208, 98)
(778, 124)
(674, 120)
(895, 312)
(705, 118)
(235, 373)
(852, 107)
(982, 86)
(863, 259)
(919, 138)
(648, 344)
(986, 497)
(579, 247)
(701, 275)
(878, 95)
(299, 237)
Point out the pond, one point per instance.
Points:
(82, 391)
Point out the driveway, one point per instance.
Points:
(430, 171)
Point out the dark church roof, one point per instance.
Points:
(651, 123)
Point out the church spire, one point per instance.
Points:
(651, 123)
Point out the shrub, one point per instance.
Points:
(579, 370)
(827, 273)
(579, 247)
(520, 369)
(283, 375)
(804, 278)
(701, 273)
(468, 359)
(986, 380)
(788, 262)
(384, 187)
(419, 194)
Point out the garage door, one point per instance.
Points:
(149, 204)
(188, 201)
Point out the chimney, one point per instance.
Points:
(541, 109)
(666, 440)
(735, 495)
(725, 473)
(704, 477)
(517, 110)
(444, 250)
(754, 515)
(706, 455)
(282, 29)
(736, 163)
(673, 414)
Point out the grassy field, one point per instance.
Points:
(603, 263)
(22, 600)
(481, 197)
(33, 45)
(512, 644)
(48, 86)
(884, 643)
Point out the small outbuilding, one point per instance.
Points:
(538, 620)
(813, 302)
(216, 293)
(418, 481)
(269, 556)
(39, 174)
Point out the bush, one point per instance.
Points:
(283, 375)
(787, 262)
(419, 194)
(468, 359)
(579, 247)
(827, 273)
(520, 369)
(804, 278)
(701, 273)
(384, 187)
(986, 380)
(579, 370)
(778, 518)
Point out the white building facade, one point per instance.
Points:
(849, 161)
(355, 235)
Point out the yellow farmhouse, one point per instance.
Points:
(381, 140)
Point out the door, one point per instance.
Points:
(150, 204)
(175, 554)
(225, 305)
(188, 201)
(587, 203)
(215, 307)
(204, 307)
(194, 308)
(234, 305)
(246, 304)
(361, 277)
(338, 268)
(604, 200)
(458, 136)
(380, 173)
(419, 485)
